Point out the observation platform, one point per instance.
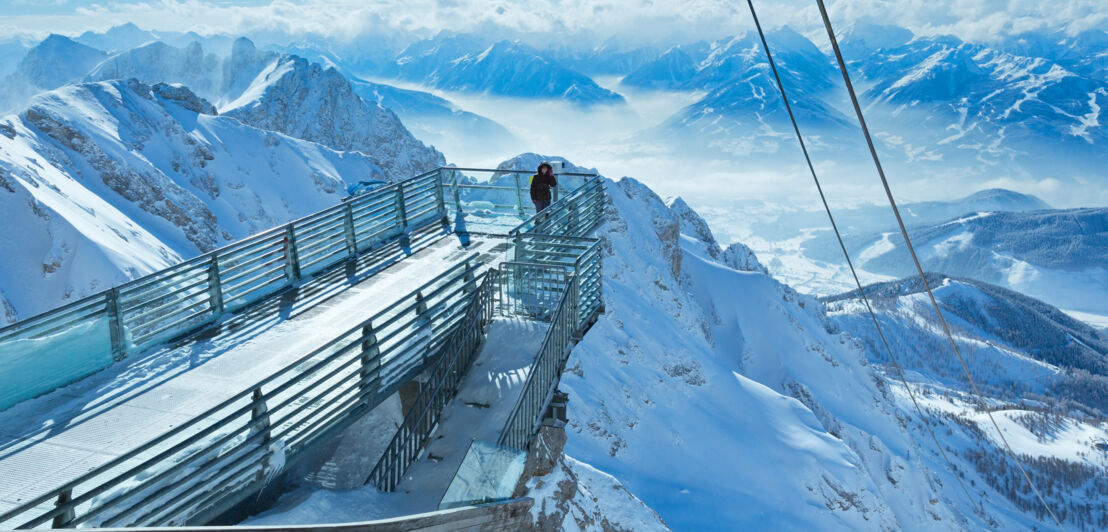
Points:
(198, 385)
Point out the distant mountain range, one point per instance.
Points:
(1055, 255)
(865, 218)
(472, 64)
(935, 102)
(1032, 100)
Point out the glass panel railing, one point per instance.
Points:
(488, 473)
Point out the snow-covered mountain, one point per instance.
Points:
(1017, 345)
(432, 119)
(283, 93)
(741, 112)
(117, 38)
(470, 63)
(938, 105)
(612, 57)
(1082, 53)
(104, 182)
(159, 62)
(992, 104)
(307, 101)
(674, 68)
(1058, 256)
(55, 61)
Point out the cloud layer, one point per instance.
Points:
(639, 21)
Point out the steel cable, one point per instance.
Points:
(850, 263)
(915, 259)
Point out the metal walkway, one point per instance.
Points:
(177, 432)
(47, 440)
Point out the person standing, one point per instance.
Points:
(541, 183)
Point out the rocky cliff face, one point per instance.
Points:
(103, 182)
(283, 93)
(308, 101)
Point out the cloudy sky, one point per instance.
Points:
(643, 19)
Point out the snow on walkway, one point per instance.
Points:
(485, 399)
(57, 437)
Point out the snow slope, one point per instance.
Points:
(683, 391)
(109, 181)
(726, 400)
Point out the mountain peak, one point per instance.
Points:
(242, 46)
(1003, 195)
(121, 37)
(55, 43)
(53, 62)
(864, 37)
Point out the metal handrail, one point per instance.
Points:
(527, 414)
(356, 342)
(502, 171)
(575, 214)
(518, 188)
(461, 349)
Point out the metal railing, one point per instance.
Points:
(201, 468)
(461, 349)
(506, 191)
(525, 417)
(531, 289)
(204, 466)
(578, 255)
(575, 214)
(90, 334)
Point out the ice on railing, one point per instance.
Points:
(489, 472)
(40, 358)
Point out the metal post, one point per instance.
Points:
(578, 319)
(371, 361)
(259, 416)
(519, 194)
(292, 260)
(115, 325)
(468, 278)
(215, 287)
(348, 230)
(440, 197)
(63, 519)
(572, 219)
(401, 213)
(457, 193)
(421, 304)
